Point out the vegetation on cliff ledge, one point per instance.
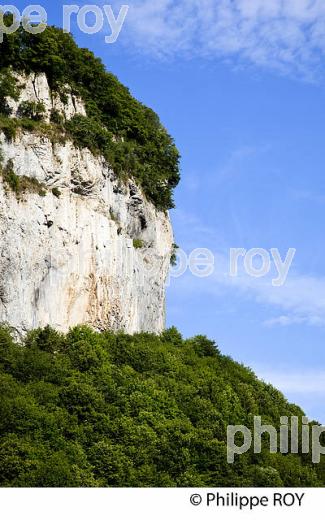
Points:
(127, 133)
(91, 409)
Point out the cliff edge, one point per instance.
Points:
(78, 245)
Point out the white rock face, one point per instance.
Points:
(70, 259)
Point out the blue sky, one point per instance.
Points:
(240, 85)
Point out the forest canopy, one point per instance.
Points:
(102, 409)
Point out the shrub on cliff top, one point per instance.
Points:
(8, 88)
(32, 110)
(150, 150)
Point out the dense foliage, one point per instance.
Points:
(91, 409)
(126, 132)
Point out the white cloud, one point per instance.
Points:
(287, 320)
(301, 300)
(287, 35)
(302, 297)
(304, 382)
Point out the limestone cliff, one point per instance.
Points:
(87, 248)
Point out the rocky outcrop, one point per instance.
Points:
(35, 88)
(88, 249)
